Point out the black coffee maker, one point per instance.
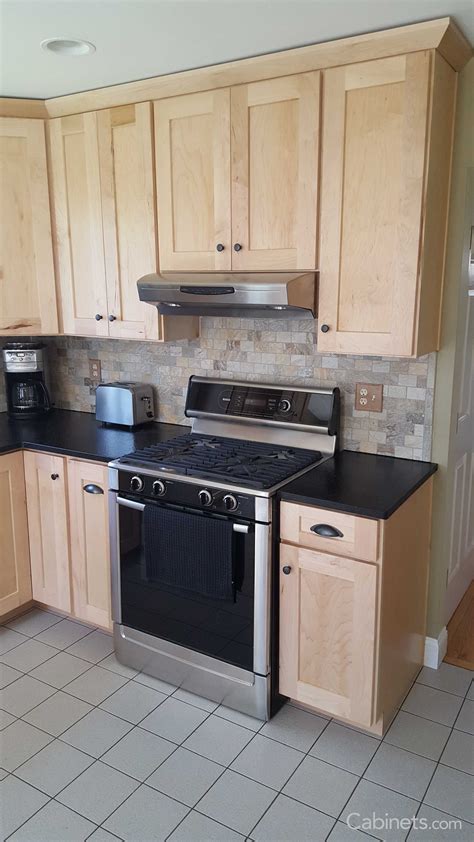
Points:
(25, 379)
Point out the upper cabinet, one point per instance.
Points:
(105, 225)
(27, 287)
(192, 135)
(237, 176)
(386, 146)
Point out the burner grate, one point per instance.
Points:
(256, 464)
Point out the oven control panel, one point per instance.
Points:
(314, 408)
(192, 495)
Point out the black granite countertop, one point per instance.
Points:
(79, 434)
(359, 483)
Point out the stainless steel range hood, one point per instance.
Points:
(240, 294)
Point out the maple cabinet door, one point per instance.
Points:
(275, 148)
(46, 496)
(15, 578)
(372, 190)
(27, 287)
(90, 555)
(328, 614)
(192, 153)
(77, 215)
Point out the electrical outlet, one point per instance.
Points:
(369, 397)
(95, 372)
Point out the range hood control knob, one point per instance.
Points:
(159, 488)
(230, 502)
(205, 497)
(136, 483)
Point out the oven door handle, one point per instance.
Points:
(134, 504)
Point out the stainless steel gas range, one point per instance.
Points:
(194, 538)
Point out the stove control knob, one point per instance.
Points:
(159, 488)
(136, 483)
(230, 502)
(205, 497)
(284, 405)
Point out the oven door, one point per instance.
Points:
(235, 631)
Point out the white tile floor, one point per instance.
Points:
(89, 749)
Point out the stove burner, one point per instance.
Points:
(256, 464)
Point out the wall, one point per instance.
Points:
(261, 350)
(447, 381)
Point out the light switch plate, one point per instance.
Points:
(95, 372)
(369, 397)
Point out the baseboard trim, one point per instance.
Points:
(435, 649)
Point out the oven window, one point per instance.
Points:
(220, 628)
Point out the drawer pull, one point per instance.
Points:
(90, 488)
(326, 531)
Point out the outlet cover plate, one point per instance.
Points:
(95, 372)
(369, 397)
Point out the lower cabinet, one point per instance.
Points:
(353, 595)
(328, 616)
(89, 527)
(46, 494)
(15, 578)
(67, 505)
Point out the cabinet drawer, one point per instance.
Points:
(356, 537)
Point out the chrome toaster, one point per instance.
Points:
(127, 404)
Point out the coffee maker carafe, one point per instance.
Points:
(25, 379)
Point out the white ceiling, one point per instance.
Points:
(140, 38)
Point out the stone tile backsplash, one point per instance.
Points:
(263, 350)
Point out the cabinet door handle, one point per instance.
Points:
(54, 476)
(286, 569)
(112, 318)
(237, 247)
(90, 488)
(220, 247)
(326, 531)
(324, 328)
(98, 317)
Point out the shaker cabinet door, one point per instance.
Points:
(15, 579)
(128, 211)
(275, 148)
(372, 189)
(328, 614)
(46, 495)
(77, 215)
(27, 288)
(90, 557)
(192, 137)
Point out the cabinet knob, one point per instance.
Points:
(237, 247)
(324, 328)
(325, 530)
(98, 317)
(91, 488)
(112, 318)
(54, 476)
(287, 569)
(220, 247)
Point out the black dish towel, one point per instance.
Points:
(189, 551)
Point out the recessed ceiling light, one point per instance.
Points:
(68, 46)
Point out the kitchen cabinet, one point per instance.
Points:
(46, 495)
(237, 176)
(353, 608)
(105, 225)
(386, 149)
(15, 578)
(27, 290)
(89, 533)
(328, 619)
